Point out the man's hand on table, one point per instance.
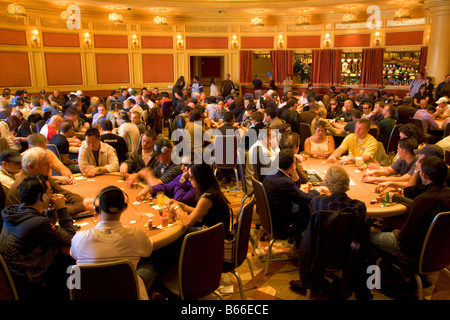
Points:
(88, 204)
(345, 160)
(92, 172)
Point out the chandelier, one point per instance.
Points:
(257, 21)
(115, 17)
(161, 20)
(302, 21)
(15, 10)
(402, 14)
(349, 18)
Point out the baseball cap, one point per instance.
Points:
(10, 155)
(113, 200)
(442, 100)
(42, 91)
(431, 150)
(160, 145)
(79, 93)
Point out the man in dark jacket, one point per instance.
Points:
(31, 239)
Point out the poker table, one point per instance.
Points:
(137, 213)
(364, 192)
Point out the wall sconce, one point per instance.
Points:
(234, 42)
(35, 37)
(280, 41)
(87, 40)
(180, 42)
(135, 41)
(327, 41)
(377, 39)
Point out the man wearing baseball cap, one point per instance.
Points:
(443, 109)
(10, 165)
(164, 172)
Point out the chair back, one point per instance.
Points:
(54, 149)
(393, 139)
(305, 133)
(39, 125)
(47, 115)
(7, 287)
(115, 280)
(243, 232)
(34, 117)
(447, 129)
(262, 204)
(201, 262)
(225, 151)
(241, 169)
(373, 132)
(447, 157)
(418, 123)
(170, 128)
(250, 95)
(166, 109)
(435, 253)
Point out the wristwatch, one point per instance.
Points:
(176, 208)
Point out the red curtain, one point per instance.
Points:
(423, 59)
(372, 68)
(282, 62)
(246, 61)
(326, 67)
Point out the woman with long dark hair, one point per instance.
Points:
(212, 205)
(177, 91)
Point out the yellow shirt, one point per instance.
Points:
(368, 146)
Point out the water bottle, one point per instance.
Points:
(386, 200)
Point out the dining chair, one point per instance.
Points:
(7, 288)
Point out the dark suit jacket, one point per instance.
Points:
(404, 112)
(288, 204)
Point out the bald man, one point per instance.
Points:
(52, 127)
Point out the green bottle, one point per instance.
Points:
(386, 200)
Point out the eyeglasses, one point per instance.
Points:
(365, 108)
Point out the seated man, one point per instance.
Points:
(179, 189)
(10, 165)
(136, 119)
(96, 157)
(128, 130)
(408, 240)
(114, 140)
(109, 240)
(164, 172)
(289, 205)
(404, 166)
(101, 115)
(65, 177)
(60, 140)
(52, 127)
(358, 144)
(386, 125)
(36, 161)
(32, 235)
(142, 157)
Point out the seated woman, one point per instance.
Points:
(212, 205)
(337, 181)
(320, 145)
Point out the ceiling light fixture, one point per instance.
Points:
(349, 18)
(15, 10)
(115, 17)
(402, 14)
(302, 21)
(160, 20)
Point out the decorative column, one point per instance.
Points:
(438, 59)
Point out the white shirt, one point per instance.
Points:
(130, 132)
(111, 241)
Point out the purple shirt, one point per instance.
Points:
(179, 191)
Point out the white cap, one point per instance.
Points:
(79, 93)
(269, 93)
(442, 100)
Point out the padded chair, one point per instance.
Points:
(169, 123)
(263, 207)
(241, 173)
(7, 287)
(242, 238)
(55, 150)
(305, 133)
(373, 132)
(418, 123)
(447, 157)
(47, 115)
(115, 280)
(393, 142)
(166, 111)
(39, 125)
(34, 118)
(248, 95)
(225, 154)
(447, 129)
(199, 269)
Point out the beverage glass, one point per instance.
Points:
(359, 161)
(160, 199)
(164, 220)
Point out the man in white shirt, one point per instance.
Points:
(96, 157)
(109, 240)
(128, 130)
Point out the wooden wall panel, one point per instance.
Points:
(15, 70)
(352, 40)
(303, 42)
(60, 39)
(404, 38)
(63, 69)
(206, 43)
(13, 37)
(108, 41)
(149, 42)
(158, 67)
(112, 68)
(257, 42)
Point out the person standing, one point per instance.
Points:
(227, 86)
(257, 85)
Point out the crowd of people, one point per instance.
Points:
(123, 133)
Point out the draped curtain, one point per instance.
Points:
(246, 66)
(423, 59)
(372, 68)
(326, 67)
(282, 62)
